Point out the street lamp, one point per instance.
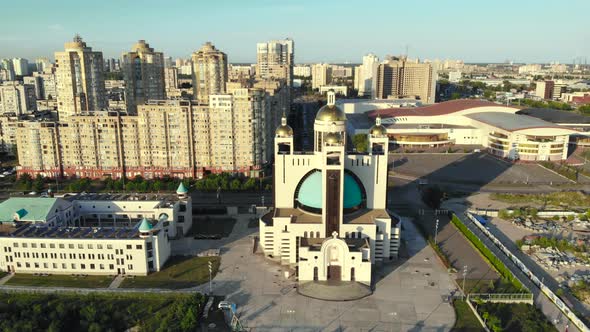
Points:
(464, 275)
(436, 232)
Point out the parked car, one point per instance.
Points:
(224, 305)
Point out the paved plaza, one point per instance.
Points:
(412, 294)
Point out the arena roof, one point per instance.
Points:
(555, 116)
(444, 108)
(510, 121)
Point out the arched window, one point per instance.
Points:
(352, 278)
(346, 235)
(360, 235)
(315, 273)
(311, 234)
(317, 234)
(305, 234)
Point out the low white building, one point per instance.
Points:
(499, 129)
(338, 89)
(95, 234)
(330, 221)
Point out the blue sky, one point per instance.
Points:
(323, 30)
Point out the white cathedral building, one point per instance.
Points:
(330, 221)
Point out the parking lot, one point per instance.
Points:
(476, 168)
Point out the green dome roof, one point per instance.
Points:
(181, 189)
(310, 192)
(145, 225)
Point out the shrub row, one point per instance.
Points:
(487, 253)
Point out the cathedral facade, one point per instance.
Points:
(330, 221)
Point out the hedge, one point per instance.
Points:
(485, 252)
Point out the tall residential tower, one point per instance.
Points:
(275, 59)
(143, 69)
(209, 72)
(80, 80)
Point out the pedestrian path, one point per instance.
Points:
(116, 282)
(6, 278)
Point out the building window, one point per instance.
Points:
(83, 266)
(92, 266)
(90, 246)
(80, 246)
(71, 246)
(129, 246)
(130, 267)
(111, 267)
(54, 265)
(61, 246)
(73, 266)
(18, 264)
(99, 246)
(15, 244)
(52, 245)
(36, 265)
(45, 265)
(24, 245)
(109, 246)
(33, 245)
(139, 247)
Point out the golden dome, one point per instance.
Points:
(330, 113)
(284, 131)
(333, 138)
(378, 130)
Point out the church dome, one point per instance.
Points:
(330, 113)
(378, 130)
(284, 130)
(333, 138)
(310, 193)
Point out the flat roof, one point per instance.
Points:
(365, 216)
(555, 116)
(426, 126)
(164, 199)
(315, 244)
(361, 217)
(27, 208)
(43, 231)
(510, 121)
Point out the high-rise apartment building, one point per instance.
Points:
(8, 70)
(400, 78)
(544, 89)
(21, 66)
(17, 98)
(209, 72)
(35, 82)
(80, 80)
(363, 80)
(48, 85)
(275, 60)
(321, 74)
(170, 78)
(143, 70)
(179, 138)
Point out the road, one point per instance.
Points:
(549, 308)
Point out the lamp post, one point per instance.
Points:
(210, 272)
(464, 275)
(436, 232)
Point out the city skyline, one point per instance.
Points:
(521, 32)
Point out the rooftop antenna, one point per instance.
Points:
(77, 38)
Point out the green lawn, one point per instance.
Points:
(466, 320)
(56, 280)
(2, 274)
(179, 272)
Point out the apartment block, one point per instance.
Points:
(179, 138)
(17, 98)
(143, 70)
(275, 60)
(80, 80)
(209, 71)
(399, 78)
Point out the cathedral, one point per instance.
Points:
(330, 221)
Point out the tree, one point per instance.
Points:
(189, 321)
(235, 184)
(250, 184)
(360, 142)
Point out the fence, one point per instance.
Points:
(554, 298)
(502, 298)
(494, 213)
